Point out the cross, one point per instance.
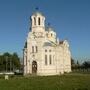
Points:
(37, 8)
(49, 24)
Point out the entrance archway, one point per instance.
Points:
(34, 67)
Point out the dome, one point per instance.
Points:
(37, 13)
(49, 29)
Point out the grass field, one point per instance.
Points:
(63, 82)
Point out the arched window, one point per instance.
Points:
(45, 50)
(47, 34)
(51, 34)
(50, 60)
(34, 21)
(39, 21)
(53, 58)
(50, 50)
(32, 49)
(36, 49)
(45, 59)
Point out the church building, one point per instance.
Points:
(44, 54)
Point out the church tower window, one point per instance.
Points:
(39, 21)
(45, 59)
(34, 21)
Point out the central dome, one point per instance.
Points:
(37, 13)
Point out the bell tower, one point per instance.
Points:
(37, 22)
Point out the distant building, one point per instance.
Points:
(44, 53)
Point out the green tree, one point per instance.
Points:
(86, 65)
(73, 63)
(9, 61)
(16, 61)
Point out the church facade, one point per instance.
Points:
(44, 53)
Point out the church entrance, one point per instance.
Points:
(34, 67)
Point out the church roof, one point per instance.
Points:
(50, 43)
(47, 44)
(49, 28)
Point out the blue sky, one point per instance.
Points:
(69, 18)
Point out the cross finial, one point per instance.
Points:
(48, 24)
(37, 8)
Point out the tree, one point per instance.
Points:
(9, 61)
(73, 63)
(77, 65)
(86, 65)
(16, 61)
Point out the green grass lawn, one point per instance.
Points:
(63, 82)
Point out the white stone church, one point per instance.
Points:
(44, 53)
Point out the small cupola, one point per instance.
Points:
(51, 32)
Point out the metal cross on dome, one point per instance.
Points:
(49, 24)
(37, 8)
